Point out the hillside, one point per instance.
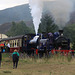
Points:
(17, 13)
(5, 27)
(20, 13)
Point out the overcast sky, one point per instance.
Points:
(11, 3)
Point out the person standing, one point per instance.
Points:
(8, 47)
(0, 57)
(15, 57)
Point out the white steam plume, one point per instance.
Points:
(61, 10)
(36, 11)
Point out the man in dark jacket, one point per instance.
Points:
(0, 57)
(15, 57)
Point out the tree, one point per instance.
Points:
(69, 32)
(19, 29)
(47, 24)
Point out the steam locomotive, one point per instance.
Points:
(42, 43)
(45, 42)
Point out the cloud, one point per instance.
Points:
(61, 11)
(11, 3)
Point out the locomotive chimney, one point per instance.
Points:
(61, 32)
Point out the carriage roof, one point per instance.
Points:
(16, 37)
(12, 38)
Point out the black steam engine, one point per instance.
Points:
(45, 42)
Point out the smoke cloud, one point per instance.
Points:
(61, 10)
(36, 11)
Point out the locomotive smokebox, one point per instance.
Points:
(34, 40)
(61, 32)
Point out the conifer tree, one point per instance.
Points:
(47, 24)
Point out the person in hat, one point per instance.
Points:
(0, 57)
(15, 57)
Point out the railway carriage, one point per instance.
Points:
(15, 43)
(21, 43)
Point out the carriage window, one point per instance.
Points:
(16, 42)
(20, 41)
(13, 44)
